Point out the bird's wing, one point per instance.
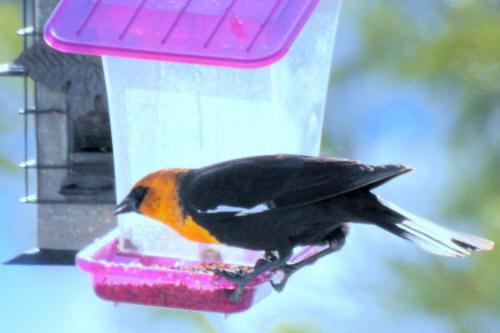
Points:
(255, 184)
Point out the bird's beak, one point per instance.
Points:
(126, 206)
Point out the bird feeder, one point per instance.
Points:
(68, 160)
(190, 83)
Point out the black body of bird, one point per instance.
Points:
(277, 202)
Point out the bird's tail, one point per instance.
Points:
(429, 236)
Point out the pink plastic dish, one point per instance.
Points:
(234, 33)
(160, 281)
(167, 282)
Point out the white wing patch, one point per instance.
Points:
(240, 211)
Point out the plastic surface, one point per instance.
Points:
(236, 33)
(161, 281)
(169, 282)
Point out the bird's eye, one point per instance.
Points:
(139, 193)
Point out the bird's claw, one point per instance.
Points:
(235, 276)
(238, 277)
(279, 286)
(241, 278)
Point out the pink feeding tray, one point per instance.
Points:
(161, 281)
(167, 282)
(235, 33)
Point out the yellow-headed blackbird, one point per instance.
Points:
(277, 202)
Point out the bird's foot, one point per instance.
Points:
(240, 278)
(232, 276)
(266, 264)
(269, 257)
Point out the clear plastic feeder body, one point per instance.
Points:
(182, 115)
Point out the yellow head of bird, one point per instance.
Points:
(155, 196)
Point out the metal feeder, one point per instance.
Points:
(68, 160)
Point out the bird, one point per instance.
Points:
(274, 203)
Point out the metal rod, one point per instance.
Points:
(25, 102)
(42, 111)
(33, 164)
(25, 19)
(27, 31)
(33, 199)
(34, 38)
(28, 199)
(12, 70)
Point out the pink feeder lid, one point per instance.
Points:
(235, 33)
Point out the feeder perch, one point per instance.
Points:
(235, 78)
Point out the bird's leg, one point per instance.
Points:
(230, 275)
(336, 241)
(289, 269)
(242, 280)
(268, 256)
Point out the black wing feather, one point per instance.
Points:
(279, 181)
